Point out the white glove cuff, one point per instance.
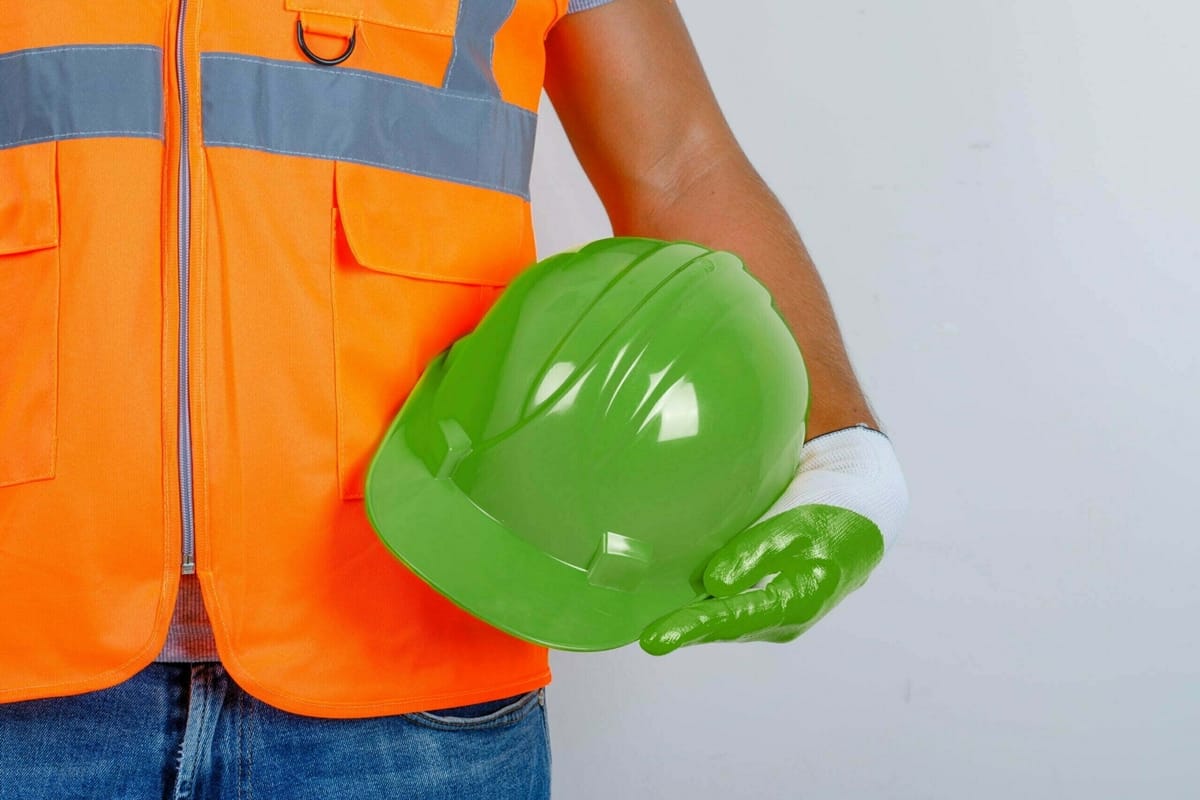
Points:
(856, 469)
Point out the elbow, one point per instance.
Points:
(635, 198)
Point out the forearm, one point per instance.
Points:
(726, 205)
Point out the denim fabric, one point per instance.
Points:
(188, 731)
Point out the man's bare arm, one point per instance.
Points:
(639, 111)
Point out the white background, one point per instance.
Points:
(1002, 197)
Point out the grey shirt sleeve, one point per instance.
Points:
(584, 5)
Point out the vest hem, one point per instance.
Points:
(295, 704)
(325, 709)
(109, 678)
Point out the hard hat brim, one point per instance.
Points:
(484, 568)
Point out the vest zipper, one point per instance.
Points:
(186, 501)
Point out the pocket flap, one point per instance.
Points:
(426, 16)
(28, 198)
(429, 228)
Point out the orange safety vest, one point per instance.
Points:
(222, 268)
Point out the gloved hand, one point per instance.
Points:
(814, 546)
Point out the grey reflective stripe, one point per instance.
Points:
(352, 115)
(80, 91)
(470, 67)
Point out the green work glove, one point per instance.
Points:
(818, 543)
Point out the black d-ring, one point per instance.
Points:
(316, 59)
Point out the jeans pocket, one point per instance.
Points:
(481, 716)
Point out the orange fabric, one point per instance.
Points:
(426, 16)
(325, 25)
(319, 289)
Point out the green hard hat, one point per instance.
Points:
(565, 471)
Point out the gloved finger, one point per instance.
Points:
(712, 619)
(803, 597)
(756, 552)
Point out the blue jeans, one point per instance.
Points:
(188, 731)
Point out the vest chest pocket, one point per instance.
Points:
(29, 277)
(411, 39)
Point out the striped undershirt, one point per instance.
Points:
(190, 637)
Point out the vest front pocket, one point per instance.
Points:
(29, 277)
(416, 262)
